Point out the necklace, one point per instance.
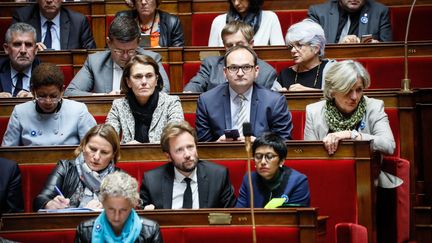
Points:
(145, 28)
(316, 76)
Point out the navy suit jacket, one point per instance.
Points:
(74, 29)
(5, 74)
(378, 24)
(269, 113)
(11, 198)
(214, 187)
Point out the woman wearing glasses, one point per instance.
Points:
(48, 119)
(144, 112)
(76, 182)
(272, 179)
(164, 29)
(306, 42)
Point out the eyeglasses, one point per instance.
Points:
(48, 99)
(268, 157)
(130, 52)
(244, 68)
(296, 45)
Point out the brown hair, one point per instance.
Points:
(108, 133)
(46, 74)
(175, 129)
(236, 26)
(142, 59)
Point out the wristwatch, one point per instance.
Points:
(354, 134)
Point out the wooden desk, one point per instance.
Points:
(308, 222)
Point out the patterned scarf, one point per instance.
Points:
(90, 181)
(253, 19)
(338, 122)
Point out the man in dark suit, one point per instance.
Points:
(16, 69)
(347, 21)
(240, 100)
(185, 182)
(211, 72)
(102, 71)
(11, 198)
(58, 28)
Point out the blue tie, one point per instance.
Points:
(19, 84)
(48, 38)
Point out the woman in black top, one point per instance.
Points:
(306, 40)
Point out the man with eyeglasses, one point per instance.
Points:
(102, 71)
(272, 178)
(211, 72)
(15, 71)
(229, 105)
(186, 181)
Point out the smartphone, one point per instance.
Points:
(366, 38)
(232, 133)
(145, 40)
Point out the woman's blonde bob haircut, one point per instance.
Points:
(342, 76)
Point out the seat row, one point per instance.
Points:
(196, 18)
(384, 61)
(341, 185)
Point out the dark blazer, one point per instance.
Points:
(11, 197)
(214, 187)
(5, 74)
(293, 187)
(75, 31)
(269, 113)
(378, 24)
(211, 75)
(171, 30)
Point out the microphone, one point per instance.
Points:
(247, 133)
(406, 81)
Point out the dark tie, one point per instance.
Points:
(187, 196)
(19, 84)
(48, 38)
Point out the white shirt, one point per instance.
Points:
(55, 31)
(26, 78)
(117, 75)
(235, 105)
(180, 186)
(269, 32)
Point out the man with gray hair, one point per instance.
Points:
(211, 72)
(102, 71)
(16, 69)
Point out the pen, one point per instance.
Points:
(58, 191)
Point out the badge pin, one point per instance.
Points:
(364, 19)
(98, 227)
(33, 133)
(286, 198)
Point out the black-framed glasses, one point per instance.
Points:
(245, 68)
(268, 157)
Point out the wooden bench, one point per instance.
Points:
(295, 225)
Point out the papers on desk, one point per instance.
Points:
(69, 210)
